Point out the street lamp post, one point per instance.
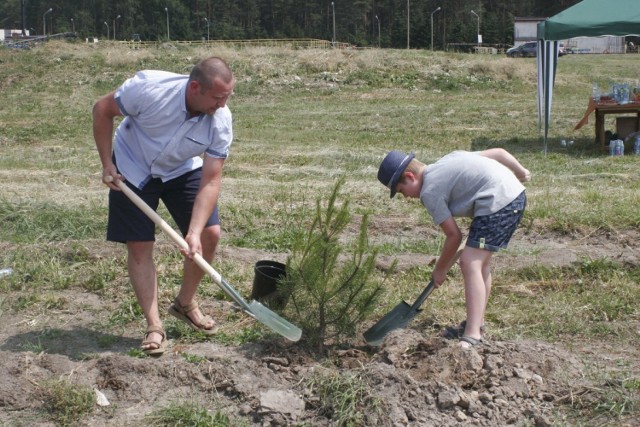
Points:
(44, 21)
(207, 21)
(114, 26)
(407, 24)
(333, 12)
(167, 11)
(432, 26)
(478, 33)
(107, 25)
(377, 19)
(73, 25)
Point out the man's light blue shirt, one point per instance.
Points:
(157, 138)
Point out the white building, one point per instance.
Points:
(8, 34)
(526, 30)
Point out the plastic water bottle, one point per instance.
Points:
(6, 272)
(616, 147)
(596, 92)
(636, 146)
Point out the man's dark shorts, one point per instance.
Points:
(128, 223)
(493, 232)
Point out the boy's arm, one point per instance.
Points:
(453, 238)
(503, 156)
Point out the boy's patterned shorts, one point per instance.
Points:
(493, 232)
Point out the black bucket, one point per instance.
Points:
(265, 290)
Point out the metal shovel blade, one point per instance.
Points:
(267, 317)
(255, 309)
(397, 318)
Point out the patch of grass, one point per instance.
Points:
(34, 347)
(588, 298)
(67, 403)
(106, 341)
(128, 311)
(28, 222)
(137, 353)
(241, 336)
(189, 414)
(345, 398)
(193, 358)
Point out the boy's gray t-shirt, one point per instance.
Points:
(466, 184)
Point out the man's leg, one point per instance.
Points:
(193, 274)
(142, 273)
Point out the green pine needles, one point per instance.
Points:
(330, 282)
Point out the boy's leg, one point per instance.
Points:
(487, 234)
(486, 275)
(474, 264)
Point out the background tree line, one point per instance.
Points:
(359, 22)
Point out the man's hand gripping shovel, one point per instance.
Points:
(401, 314)
(254, 309)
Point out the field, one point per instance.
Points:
(563, 321)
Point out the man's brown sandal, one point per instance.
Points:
(182, 312)
(160, 347)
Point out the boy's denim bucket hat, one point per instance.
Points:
(392, 167)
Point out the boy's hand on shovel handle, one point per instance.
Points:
(438, 276)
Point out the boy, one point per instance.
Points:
(485, 186)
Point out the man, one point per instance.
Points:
(170, 146)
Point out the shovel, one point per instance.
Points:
(254, 309)
(402, 313)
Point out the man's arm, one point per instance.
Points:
(104, 110)
(503, 156)
(205, 202)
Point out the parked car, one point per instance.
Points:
(563, 50)
(523, 50)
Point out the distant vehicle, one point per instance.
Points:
(563, 50)
(529, 49)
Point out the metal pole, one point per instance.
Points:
(207, 21)
(114, 26)
(378, 31)
(167, 11)
(333, 12)
(432, 26)
(407, 24)
(73, 26)
(107, 25)
(478, 32)
(24, 30)
(44, 22)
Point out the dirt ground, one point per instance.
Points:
(418, 380)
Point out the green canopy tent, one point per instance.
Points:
(589, 18)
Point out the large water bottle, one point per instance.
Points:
(636, 145)
(595, 92)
